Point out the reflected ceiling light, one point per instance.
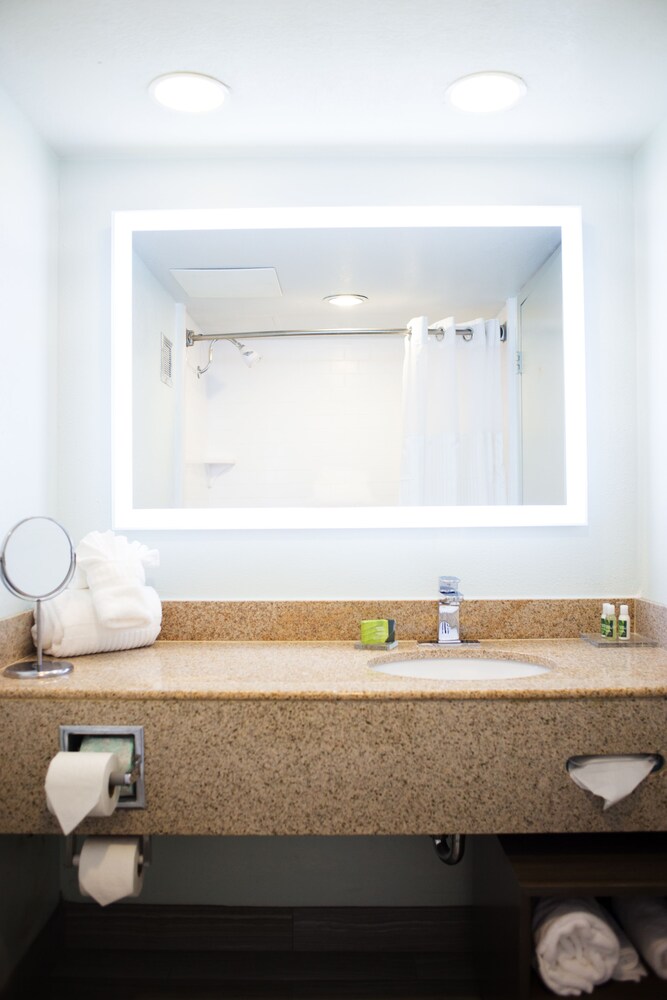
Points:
(346, 299)
(485, 92)
(195, 93)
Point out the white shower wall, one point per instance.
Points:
(289, 427)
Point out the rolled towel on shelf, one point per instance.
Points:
(629, 967)
(70, 626)
(644, 920)
(576, 948)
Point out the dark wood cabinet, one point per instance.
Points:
(513, 872)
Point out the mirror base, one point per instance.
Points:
(27, 670)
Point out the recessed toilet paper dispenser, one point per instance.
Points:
(127, 742)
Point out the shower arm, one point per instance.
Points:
(200, 371)
(214, 340)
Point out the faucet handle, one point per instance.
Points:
(449, 586)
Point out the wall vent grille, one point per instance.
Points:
(166, 360)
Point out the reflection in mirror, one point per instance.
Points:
(447, 395)
(37, 561)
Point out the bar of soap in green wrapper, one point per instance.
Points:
(378, 630)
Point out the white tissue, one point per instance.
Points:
(77, 785)
(109, 868)
(611, 777)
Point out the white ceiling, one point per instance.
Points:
(404, 272)
(357, 75)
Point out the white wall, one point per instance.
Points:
(355, 564)
(28, 277)
(156, 405)
(291, 422)
(28, 210)
(542, 391)
(651, 251)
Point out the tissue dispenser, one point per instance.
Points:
(612, 777)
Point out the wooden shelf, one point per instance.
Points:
(517, 870)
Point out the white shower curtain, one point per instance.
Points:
(453, 423)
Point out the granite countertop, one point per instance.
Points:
(339, 670)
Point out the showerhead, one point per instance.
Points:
(249, 356)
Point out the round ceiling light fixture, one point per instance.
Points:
(346, 299)
(194, 93)
(481, 93)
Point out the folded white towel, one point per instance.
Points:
(70, 626)
(119, 602)
(644, 919)
(115, 573)
(98, 545)
(575, 946)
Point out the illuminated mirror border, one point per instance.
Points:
(573, 512)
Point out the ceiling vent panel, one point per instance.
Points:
(228, 282)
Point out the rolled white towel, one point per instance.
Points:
(576, 949)
(70, 626)
(629, 967)
(644, 919)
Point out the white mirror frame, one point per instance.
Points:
(572, 512)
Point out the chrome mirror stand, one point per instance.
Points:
(38, 668)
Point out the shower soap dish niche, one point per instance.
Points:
(214, 466)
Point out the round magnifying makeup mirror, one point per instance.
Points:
(37, 561)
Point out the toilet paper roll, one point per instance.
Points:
(109, 868)
(122, 746)
(77, 785)
(611, 777)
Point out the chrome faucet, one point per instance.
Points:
(448, 610)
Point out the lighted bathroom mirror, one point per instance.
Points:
(326, 431)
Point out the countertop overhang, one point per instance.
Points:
(341, 671)
(299, 738)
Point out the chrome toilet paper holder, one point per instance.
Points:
(73, 855)
(70, 738)
(123, 778)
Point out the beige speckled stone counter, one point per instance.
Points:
(305, 738)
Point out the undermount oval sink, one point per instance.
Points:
(460, 668)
